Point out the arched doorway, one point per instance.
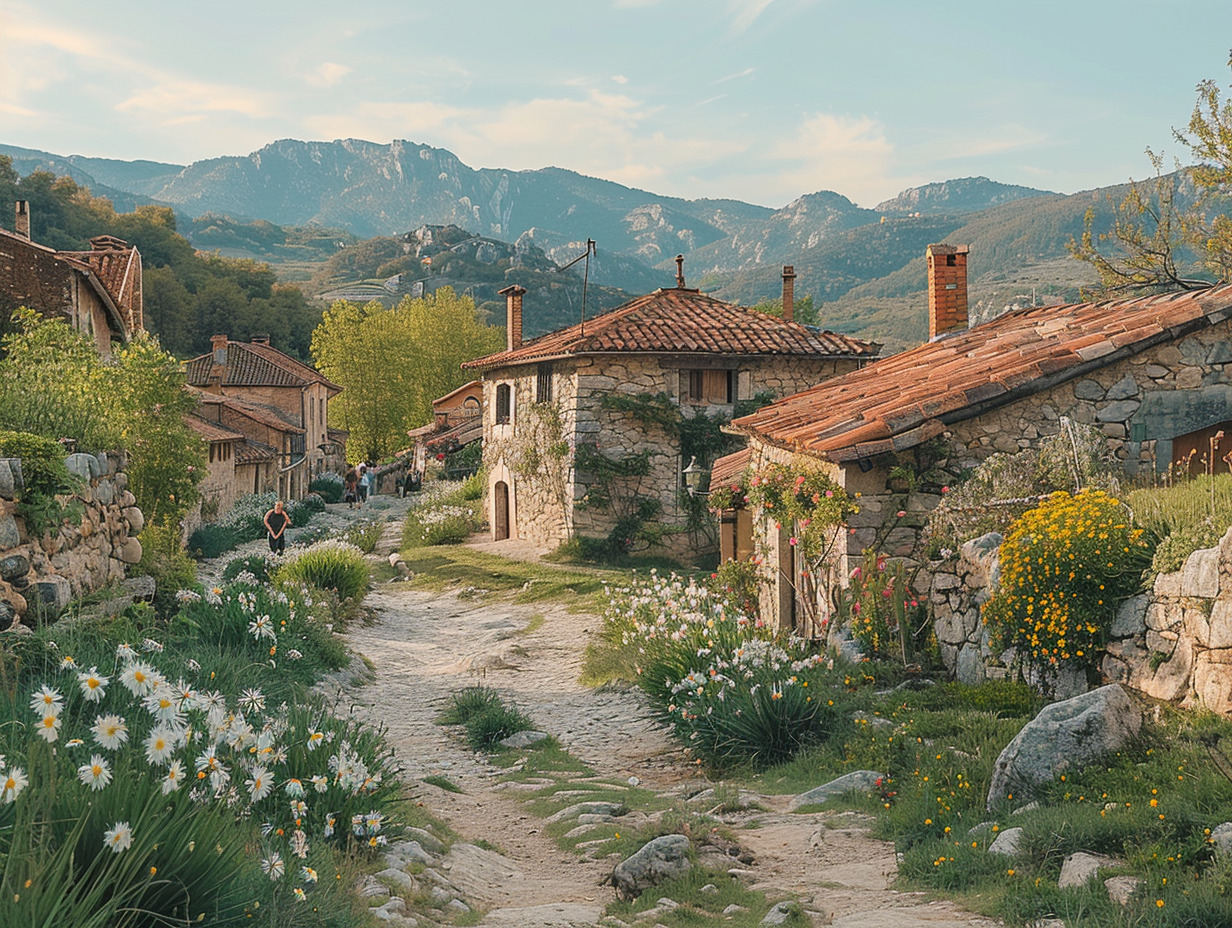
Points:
(500, 511)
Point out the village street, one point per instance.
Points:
(425, 646)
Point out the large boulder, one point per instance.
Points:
(1064, 735)
(856, 781)
(664, 858)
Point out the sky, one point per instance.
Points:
(757, 100)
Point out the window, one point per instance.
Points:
(504, 404)
(710, 387)
(543, 384)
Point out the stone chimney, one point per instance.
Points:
(218, 344)
(21, 219)
(789, 292)
(513, 316)
(260, 339)
(680, 271)
(947, 289)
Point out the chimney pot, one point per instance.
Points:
(21, 219)
(513, 316)
(789, 293)
(947, 289)
(218, 345)
(680, 271)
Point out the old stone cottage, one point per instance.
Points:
(99, 292)
(279, 403)
(548, 400)
(1153, 373)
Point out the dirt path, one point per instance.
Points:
(426, 646)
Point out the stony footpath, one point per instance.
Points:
(506, 870)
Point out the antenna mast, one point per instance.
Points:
(590, 249)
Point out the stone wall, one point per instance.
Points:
(1172, 643)
(85, 556)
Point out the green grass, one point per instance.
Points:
(1189, 515)
(444, 568)
(487, 718)
(444, 783)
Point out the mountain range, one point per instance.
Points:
(864, 267)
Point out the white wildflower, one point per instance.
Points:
(119, 837)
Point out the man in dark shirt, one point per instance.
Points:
(276, 522)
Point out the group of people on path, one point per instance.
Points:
(358, 484)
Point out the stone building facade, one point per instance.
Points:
(548, 398)
(1154, 374)
(98, 292)
(84, 556)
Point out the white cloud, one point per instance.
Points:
(620, 79)
(381, 122)
(327, 74)
(745, 12)
(731, 77)
(183, 97)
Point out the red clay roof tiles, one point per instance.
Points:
(682, 321)
(252, 364)
(902, 400)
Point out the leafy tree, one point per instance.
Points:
(1173, 232)
(803, 310)
(54, 384)
(391, 363)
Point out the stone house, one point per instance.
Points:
(291, 394)
(547, 399)
(235, 466)
(258, 462)
(1153, 373)
(99, 292)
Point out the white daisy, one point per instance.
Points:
(307, 874)
(138, 678)
(272, 866)
(110, 731)
(96, 774)
(73, 743)
(261, 627)
(299, 894)
(49, 728)
(299, 844)
(162, 703)
(193, 666)
(260, 783)
(119, 837)
(174, 777)
(125, 652)
(158, 745)
(12, 782)
(331, 820)
(67, 663)
(251, 700)
(46, 701)
(149, 644)
(93, 685)
(294, 787)
(320, 783)
(314, 740)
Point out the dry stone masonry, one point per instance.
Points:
(42, 574)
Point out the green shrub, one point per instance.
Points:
(1189, 515)
(313, 502)
(328, 565)
(882, 611)
(486, 729)
(164, 559)
(468, 702)
(365, 534)
(437, 525)
(212, 539)
(474, 486)
(42, 462)
(328, 487)
(256, 564)
(1065, 565)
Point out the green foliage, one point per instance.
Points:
(328, 487)
(392, 363)
(447, 519)
(256, 564)
(328, 565)
(212, 539)
(1004, 486)
(164, 559)
(1065, 565)
(245, 521)
(486, 717)
(1184, 517)
(365, 534)
(882, 611)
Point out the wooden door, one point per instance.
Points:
(500, 510)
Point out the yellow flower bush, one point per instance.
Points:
(1064, 567)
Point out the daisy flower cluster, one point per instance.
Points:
(301, 774)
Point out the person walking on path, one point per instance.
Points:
(276, 522)
(350, 486)
(363, 484)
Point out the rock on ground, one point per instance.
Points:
(662, 859)
(857, 780)
(1079, 867)
(1064, 735)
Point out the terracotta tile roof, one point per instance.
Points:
(254, 452)
(117, 265)
(729, 467)
(465, 432)
(270, 416)
(211, 431)
(682, 321)
(900, 401)
(251, 364)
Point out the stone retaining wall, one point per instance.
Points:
(1173, 643)
(85, 556)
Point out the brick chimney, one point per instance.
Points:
(680, 271)
(21, 219)
(218, 345)
(947, 289)
(789, 292)
(513, 316)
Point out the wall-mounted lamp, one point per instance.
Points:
(693, 478)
